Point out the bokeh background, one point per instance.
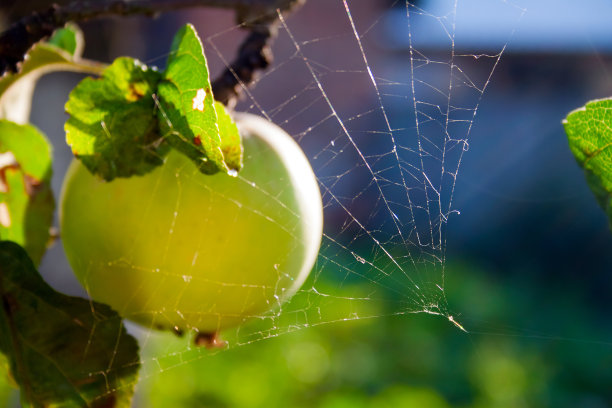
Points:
(528, 260)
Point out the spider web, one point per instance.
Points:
(386, 165)
(385, 133)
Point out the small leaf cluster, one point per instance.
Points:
(125, 122)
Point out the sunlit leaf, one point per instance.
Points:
(188, 118)
(62, 350)
(231, 145)
(26, 199)
(589, 131)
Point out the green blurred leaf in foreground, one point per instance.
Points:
(62, 350)
(62, 52)
(589, 132)
(113, 126)
(187, 115)
(26, 199)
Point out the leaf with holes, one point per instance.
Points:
(589, 131)
(62, 350)
(26, 199)
(112, 126)
(188, 118)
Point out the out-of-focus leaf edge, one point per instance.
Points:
(594, 176)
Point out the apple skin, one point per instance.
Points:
(177, 249)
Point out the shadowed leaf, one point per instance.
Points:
(62, 350)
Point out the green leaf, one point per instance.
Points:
(62, 53)
(113, 127)
(231, 145)
(69, 38)
(62, 350)
(188, 119)
(26, 199)
(589, 132)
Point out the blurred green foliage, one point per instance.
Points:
(407, 360)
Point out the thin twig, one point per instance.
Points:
(20, 36)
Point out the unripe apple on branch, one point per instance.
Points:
(178, 249)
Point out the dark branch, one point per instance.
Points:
(20, 36)
(254, 54)
(18, 39)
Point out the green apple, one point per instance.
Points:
(182, 250)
